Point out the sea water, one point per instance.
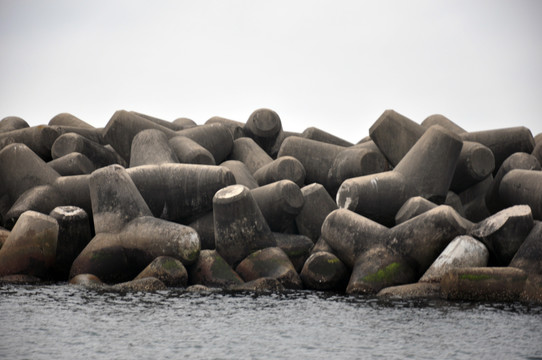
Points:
(69, 322)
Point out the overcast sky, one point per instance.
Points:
(336, 65)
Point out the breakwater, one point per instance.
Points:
(413, 210)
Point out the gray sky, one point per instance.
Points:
(336, 65)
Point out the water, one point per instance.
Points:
(66, 322)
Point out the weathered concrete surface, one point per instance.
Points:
(504, 232)
(168, 270)
(518, 160)
(297, 247)
(324, 271)
(115, 199)
(98, 154)
(395, 134)
(264, 127)
(413, 207)
(439, 119)
(39, 139)
(67, 119)
(10, 123)
(314, 133)
(188, 151)
(147, 284)
(529, 255)
(350, 234)
(212, 270)
(424, 237)
(30, 248)
(270, 262)
(120, 256)
(280, 202)
(419, 290)
(74, 233)
(503, 142)
(282, 168)
(483, 284)
(523, 187)
(378, 196)
(242, 174)
(317, 206)
(316, 157)
(379, 268)
(151, 147)
(240, 227)
(463, 251)
(72, 164)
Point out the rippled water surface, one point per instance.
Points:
(65, 322)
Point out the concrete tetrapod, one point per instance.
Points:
(39, 139)
(316, 157)
(240, 227)
(503, 142)
(324, 271)
(72, 164)
(235, 127)
(65, 190)
(249, 153)
(115, 200)
(30, 248)
(216, 138)
(190, 152)
(124, 126)
(317, 206)
(21, 169)
(358, 160)
(523, 187)
(270, 262)
(518, 160)
(438, 119)
(483, 284)
(377, 268)
(350, 234)
(380, 196)
(413, 207)
(120, 256)
(314, 133)
(424, 237)
(168, 270)
(99, 154)
(529, 255)
(463, 251)
(473, 200)
(242, 174)
(395, 134)
(74, 233)
(264, 127)
(282, 168)
(151, 147)
(10, 123)
(67, 119)
(296, 247)
(475, 162)
(213, 271)
(280, 202)
(180, 192)
(504, 232)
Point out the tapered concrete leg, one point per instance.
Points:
(240, 227)
(151, 147)
(317, 206)
(350, 234)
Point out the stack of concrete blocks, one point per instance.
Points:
(413, 210)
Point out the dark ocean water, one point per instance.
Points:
(66, 322)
